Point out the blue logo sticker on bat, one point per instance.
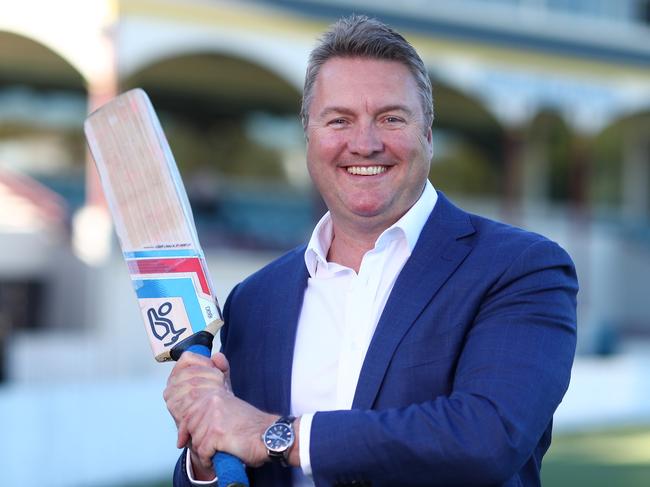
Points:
(178, 287)
(161, 327)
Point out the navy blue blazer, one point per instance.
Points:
(470, 358)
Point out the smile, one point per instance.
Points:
(366, 170)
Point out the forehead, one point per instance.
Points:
(355, 80)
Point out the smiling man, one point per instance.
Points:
(409, 342)
(369, 149)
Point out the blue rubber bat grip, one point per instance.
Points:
(229, 469)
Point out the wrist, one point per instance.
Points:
(261, 453)
(198, 471)
(294, 452)
(280, 440)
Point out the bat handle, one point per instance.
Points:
(229, 469)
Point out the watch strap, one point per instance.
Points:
(288, 420)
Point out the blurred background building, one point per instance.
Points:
(542, 120)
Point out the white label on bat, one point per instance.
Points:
(208, 308)
(166, 322)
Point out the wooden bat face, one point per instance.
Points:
(153, 221)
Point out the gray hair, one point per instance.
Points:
(361, 36)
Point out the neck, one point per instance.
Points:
(349, 244)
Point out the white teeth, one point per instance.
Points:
(366, 170)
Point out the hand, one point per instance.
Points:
(199, 398)
(192, 376)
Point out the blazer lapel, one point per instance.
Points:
(285, 300)
(437, 254)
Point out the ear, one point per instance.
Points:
(429, 137)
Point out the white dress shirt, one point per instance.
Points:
(338, 318)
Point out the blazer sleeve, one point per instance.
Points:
(511, 375)
(180, 478)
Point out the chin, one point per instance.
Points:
(368, 212)
(367, 204)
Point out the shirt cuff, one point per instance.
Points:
(303, 446)
(189, 471)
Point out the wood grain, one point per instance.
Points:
(139, 175)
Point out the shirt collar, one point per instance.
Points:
(409, 227)
(412, 222)
(319, 244)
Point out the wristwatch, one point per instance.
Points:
(278, 439)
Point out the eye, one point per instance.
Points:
(393, 119)
(337, 122)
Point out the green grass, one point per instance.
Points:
(162, 483)
(616, 458)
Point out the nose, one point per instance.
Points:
(365, 140)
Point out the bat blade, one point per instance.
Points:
(154, 224)
(153, 221)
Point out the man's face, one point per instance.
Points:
(368, 151)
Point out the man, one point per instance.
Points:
(416, 344)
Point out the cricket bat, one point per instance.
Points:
(154, 224)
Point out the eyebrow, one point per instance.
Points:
(334, 109)
(346, 111)
(396, 108)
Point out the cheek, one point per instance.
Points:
(321, 161)
(413, 149)
(317, 166)
(325, 146)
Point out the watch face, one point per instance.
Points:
(278, 437)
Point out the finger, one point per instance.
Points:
(178, 407)
(190, 359)
(189, 408)
(185, 402)
(202, 425)
(179, 398)
(221, 362)
(190, 363)
(183, 436)
(196, 376)
(194, 355)
(186, 362)
(197, 423)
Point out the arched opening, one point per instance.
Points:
(25, 61)
(621, 172)
(468, 145)
(548, 161)
(42, 154)
(234, 129)
(43, 103)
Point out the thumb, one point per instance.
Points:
(183, 436)
(221, 362)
